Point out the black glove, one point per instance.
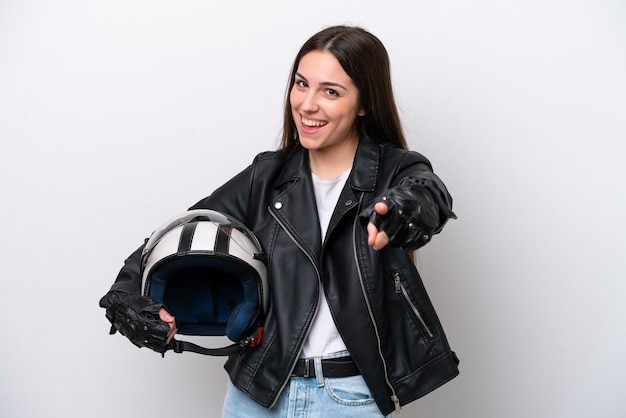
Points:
(418, 208)
(137, 318)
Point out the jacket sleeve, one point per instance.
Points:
(419, 205)
(129, 278)
(233, 198)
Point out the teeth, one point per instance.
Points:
(308, 122)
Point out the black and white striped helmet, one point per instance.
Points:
(207, 269)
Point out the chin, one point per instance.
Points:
(307, 143)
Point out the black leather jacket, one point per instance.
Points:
(377, 298)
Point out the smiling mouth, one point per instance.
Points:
(313, 123)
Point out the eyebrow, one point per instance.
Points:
(325, 83)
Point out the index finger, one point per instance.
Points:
(381, 208)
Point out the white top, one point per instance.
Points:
(324, 337)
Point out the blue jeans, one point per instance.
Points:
(310, 397)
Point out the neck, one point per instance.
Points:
(329, 163)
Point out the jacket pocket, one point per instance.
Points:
(404, 294)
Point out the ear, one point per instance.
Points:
(361, 112)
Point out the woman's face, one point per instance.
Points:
(324, 103)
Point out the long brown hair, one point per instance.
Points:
(364, 58)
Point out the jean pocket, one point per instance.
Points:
(349, 391)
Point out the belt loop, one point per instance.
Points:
(319, 372)
(306, 367)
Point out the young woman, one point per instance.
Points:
(338, 209)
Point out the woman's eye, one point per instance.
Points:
(332, 92)
(300, 83)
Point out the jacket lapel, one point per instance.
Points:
(294, 206)
(363, 178)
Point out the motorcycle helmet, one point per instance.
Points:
(208, 270)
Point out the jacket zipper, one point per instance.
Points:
(317, 306)
(394, 397)
(401, 289)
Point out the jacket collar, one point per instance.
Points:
(365, 168)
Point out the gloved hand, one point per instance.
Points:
(417, 209)
(137, 318)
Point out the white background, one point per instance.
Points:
(116, 115)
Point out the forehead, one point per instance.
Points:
(322, 66)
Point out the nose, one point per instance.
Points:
(309, 102)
